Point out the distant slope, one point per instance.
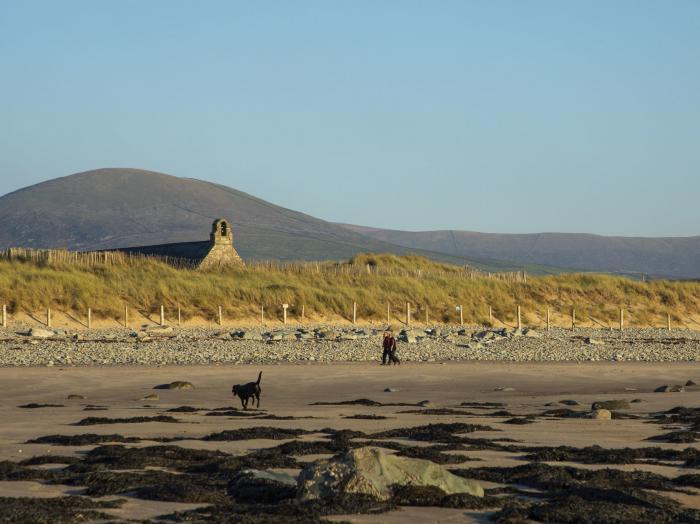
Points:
(117, 208)
(668, 257)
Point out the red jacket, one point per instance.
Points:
(389, 342)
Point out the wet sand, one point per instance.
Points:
(288, 390)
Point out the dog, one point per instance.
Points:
(246, 391)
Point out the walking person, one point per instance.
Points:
(389, 347)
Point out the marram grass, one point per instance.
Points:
(327, 292)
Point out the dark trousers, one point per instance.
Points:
(389, 356)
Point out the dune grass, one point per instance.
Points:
(328, 290)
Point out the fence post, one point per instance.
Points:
(668, 321)
(490, 316)
(48, 317)
(179, 317)
(162, 315)
(622, 319)
(262, 314)
(461, 315)
(408, 313)
(284, 312)
(303, 307)
(4, 315)
(388, 313)
(89, 318)
(520, 321)
(126, 316)
(573, 318)
(427, 318)
(548, 324)
(354, 312)
(221, 317)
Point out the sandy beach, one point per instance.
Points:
(289, 390)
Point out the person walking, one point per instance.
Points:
(389, 347)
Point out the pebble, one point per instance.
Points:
(324, 344)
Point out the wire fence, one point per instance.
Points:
(58, 257)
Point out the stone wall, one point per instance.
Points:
(221, 256)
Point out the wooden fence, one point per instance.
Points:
(56, 257)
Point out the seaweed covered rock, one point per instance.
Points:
(372, 471)
(265, 487)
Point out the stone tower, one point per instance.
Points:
(221, 251)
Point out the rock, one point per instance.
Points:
(528, 332)
(178, 384)
(435, 332)
(424, 404)
(601, 414)
(670, 389)
(262, 487)
(593, 342)
(160, 331)
(41, 333)
(503, 388)
(152, 396)
(245, 335)
(690, 383)
(329, 335)
(372, 471)
(486, 335)
(611, 405)
(636, 401)
(76, 397)
(390, 390)
(569, 402)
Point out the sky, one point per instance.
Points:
(493, 115)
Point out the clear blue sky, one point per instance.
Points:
(500, 116)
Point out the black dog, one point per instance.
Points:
(246, 391)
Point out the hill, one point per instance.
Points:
(118, 208)
(654, 257)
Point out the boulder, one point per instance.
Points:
(245, 335)
(76, 397)
(411, 336)
(690, 383)
(531, 333)
(152, 396)
(329, 335)
(178, 384)
(569, 402)
(160, 331)
(601, 414)
(594, 342)
(372, 471)
(670, 389)
(41, 333)
(611, 405)
(262, 487)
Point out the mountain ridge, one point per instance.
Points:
(674, 257)
(113, 208)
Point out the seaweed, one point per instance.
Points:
(94, 421)
(85, 439)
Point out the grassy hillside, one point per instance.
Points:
(327, 291)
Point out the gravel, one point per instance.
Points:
(340, 344)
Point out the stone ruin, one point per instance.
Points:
(221, 252)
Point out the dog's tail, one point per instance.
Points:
(259, 377)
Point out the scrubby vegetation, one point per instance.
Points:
(327, 291)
